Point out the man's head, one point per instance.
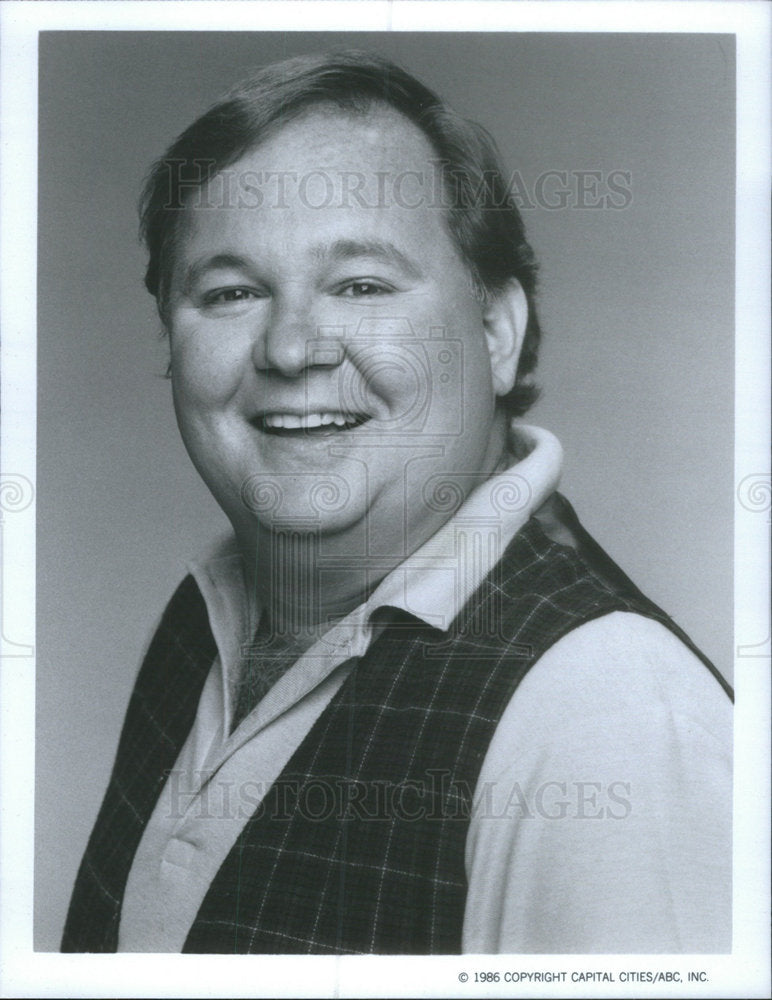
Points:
(482, 217)
(341, 354)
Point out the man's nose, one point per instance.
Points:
(282, 345)
(293, 340)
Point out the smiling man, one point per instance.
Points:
(408, 704)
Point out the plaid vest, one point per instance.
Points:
(358, 847)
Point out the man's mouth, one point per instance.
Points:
(321, 422)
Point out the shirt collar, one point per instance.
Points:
(437, 580)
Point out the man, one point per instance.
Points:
(409, 705)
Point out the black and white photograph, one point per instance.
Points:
(395, 460)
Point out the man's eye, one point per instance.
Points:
(364, 289)
(222, 295)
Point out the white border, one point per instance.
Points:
(24, 973)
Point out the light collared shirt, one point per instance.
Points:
(614, 841)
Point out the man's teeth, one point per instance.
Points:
(293, 421)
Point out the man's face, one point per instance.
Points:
(329, 357)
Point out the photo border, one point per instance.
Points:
(24, 972)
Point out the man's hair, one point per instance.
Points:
(482, 217)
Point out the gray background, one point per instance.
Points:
(636, 369)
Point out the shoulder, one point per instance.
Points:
(620, 688)
(605, 799)
(608, 665)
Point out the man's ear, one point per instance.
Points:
(505, 317)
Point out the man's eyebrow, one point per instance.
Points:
(383, 250)
(340, 250)
(214, 262)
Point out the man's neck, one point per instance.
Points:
(305, 581)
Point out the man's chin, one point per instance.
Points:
(322, 504)
(303, 521)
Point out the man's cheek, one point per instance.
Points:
(203, 372)
(391, 382)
